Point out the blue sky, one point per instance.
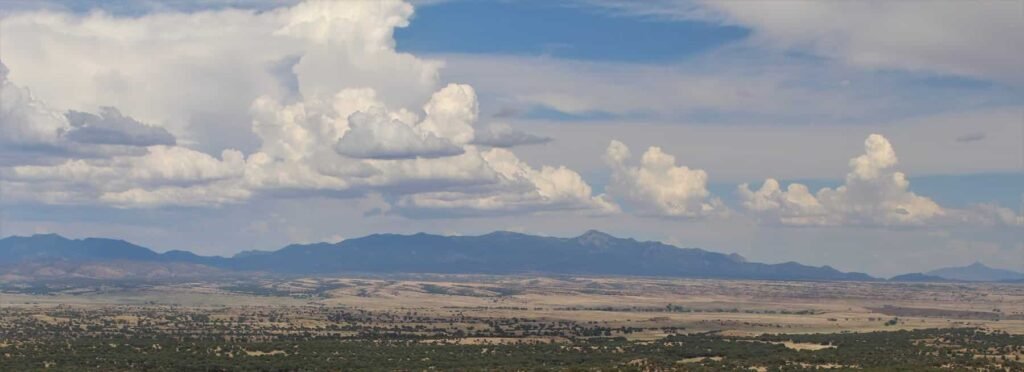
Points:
(558, 30)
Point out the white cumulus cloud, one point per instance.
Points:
(451, 113)
(375, 136)
(197, 73)
(657, 186)
(874, 193)
(521, 189)
(331, 107)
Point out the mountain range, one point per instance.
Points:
(977, 272)
(593, 253)
(52, 256)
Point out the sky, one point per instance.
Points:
(877, 137)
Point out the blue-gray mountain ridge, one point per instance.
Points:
(977, 272)
(593, 253)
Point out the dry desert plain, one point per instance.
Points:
(693, 305)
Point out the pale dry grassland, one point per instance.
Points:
(733, 307)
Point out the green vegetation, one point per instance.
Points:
(901, 350)
(158, 338)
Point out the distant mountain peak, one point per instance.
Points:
(47, 238)
(44, 236)
(595, 234)
(500, 233)
(976, 271)
(595, 237)
(737, 257)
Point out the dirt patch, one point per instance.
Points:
(258, 353)
(804, 346)
(699, 359)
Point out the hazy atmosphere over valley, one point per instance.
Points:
(889, 140)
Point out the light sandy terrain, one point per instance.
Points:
(693, 305)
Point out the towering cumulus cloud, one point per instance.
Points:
(657, 186)
(25, 120)
(346, 116)
(874, 194)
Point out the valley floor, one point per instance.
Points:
(507, 322)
